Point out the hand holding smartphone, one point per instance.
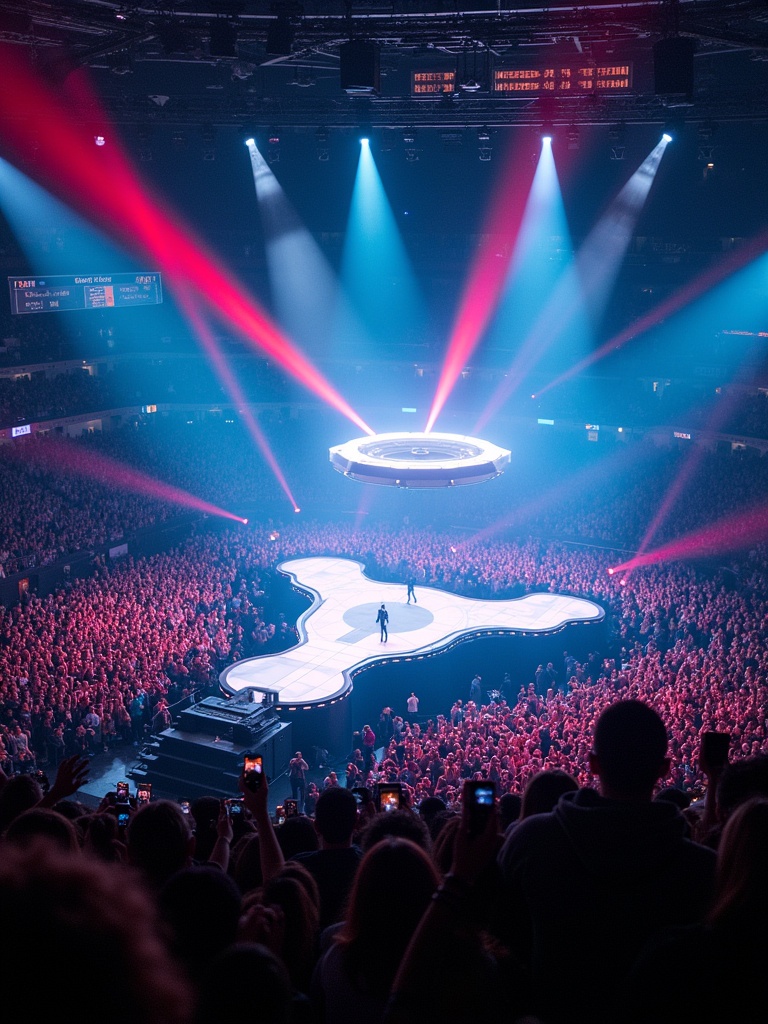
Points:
(480, 798)
(390, 796)
(714, 750)
(253, 772)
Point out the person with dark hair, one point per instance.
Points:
(297, 835)
(727, 953)
(297, 776)
(298, 913)
(78, 912)
(510, 805)
(160, 841)
(335, 863)
(544, 789)
(448, 972)
(226, 996)
(394, 884)
(428, 809)
(369, 749)
(403, 823)
(614, 866)
(382, 618)
(29, 826)
(201, 906)
(475, 690)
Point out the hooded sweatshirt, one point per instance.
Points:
(586, 886)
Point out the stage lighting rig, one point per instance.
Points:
(417, 461)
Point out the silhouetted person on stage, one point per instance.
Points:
(383, 618)
(411, 593)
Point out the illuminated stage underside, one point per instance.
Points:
(418, 460)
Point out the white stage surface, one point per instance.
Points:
(339, 634)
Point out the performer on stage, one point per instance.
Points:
(411, 592)
(383, 618)
(297, 774)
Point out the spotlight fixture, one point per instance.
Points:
(547, 132)
(666, 137)
(99, 140)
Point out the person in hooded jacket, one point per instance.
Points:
(588, 884)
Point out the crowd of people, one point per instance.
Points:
(348, 909)
(687, 643)
(569, 907)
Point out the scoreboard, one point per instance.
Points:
(563, 78)
(84, 291)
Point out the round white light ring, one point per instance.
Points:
(414, 460)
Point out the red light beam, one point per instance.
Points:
(486, 283)
(731, 534)
(58, 455)
(104, 187)
(230, 382)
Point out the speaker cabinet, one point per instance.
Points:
(360, 69)
(673, 67)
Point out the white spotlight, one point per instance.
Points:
(250, 142)
(666, 138)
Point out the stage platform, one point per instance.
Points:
(339, 635)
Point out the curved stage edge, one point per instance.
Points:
(339, 640)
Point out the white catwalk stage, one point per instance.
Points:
(339, 635)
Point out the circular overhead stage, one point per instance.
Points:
(419, 460)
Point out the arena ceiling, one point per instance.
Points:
(230, 63)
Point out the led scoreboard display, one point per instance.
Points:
(563, 78)
(555, 78)
(84, 291)
(430, 83)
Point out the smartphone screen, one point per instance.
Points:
(291, 808)
(184, 804)
(714, 748)
(480, 796)
(253, 768)
(123, 818)
(123, 792)
(389, 797)
(143, 793)
(235, 807)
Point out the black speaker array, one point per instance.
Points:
(673, 66)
